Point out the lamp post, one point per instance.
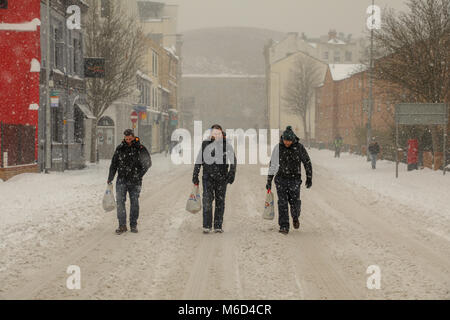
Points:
(370, 102)
(48, 138)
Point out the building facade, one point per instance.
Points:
(71, 119)
(19, 86)
(280, 114)
(156, 100)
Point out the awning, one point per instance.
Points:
(86, 111)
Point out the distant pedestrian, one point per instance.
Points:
(131, 161)
(285, 165)
(219, 169)
(337, 146)
(374, 150)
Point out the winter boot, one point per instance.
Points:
(284, 230)
(134, 229)
(296, 223)
(121, 229)
(206, 230)
(218, 230)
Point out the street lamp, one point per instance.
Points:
(370, 111)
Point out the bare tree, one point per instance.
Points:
(305, 77)
(417, 53)
(118, 39)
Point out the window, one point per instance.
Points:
(154, 96)
(337, 56)
(79, 129)
(76, 56)
(155, 63)
(325, 55)
(56, 116)
(3, 4)
(58, 46)
(348, 56)
(105, 8)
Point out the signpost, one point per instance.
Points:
(94, 67)
(421, 114)
(134, 118)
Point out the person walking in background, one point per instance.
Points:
(337, 146)
(285, 165)
(374, 150)
(219, 169)
(131, 161)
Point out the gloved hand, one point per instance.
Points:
(308, 182)
(195, 180)
(109, 182)
(230, 178)
(269, 182)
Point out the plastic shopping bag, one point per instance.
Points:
(194, 203)
(109, 203)
(269, 211)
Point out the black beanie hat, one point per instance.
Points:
(288, 134)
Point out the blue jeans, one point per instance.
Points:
(121, 197)
(373, 158)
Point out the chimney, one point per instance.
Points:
(332, 34)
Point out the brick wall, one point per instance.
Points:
(8, 173)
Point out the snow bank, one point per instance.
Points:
(425, 190)
(32, 203)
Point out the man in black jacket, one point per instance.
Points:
(217, 173)
(131, 161)
(285, 163)
(374, 150)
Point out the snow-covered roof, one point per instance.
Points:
(336, 41)
(312, 44)
(223, 75)
(343, 71)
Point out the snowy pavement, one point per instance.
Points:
(353, 217)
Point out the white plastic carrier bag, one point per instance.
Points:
(269, 211)
(194, 203)
(109, 202)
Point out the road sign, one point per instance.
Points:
(94, 67)
(134, 117)
(421, 113)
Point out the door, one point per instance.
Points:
(105, 138)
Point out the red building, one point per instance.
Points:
(19, 86)
(340, 106)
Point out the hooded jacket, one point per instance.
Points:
(286, 161)
(217, 169)
(131, 162)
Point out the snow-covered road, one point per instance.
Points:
(347, 225)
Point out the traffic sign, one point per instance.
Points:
(134, 117)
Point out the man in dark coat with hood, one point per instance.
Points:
(285, 165)
(219, 169)
(131, 161)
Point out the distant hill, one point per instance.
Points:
(231, 50)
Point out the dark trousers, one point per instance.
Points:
(337, 153)
(121, 197)
(213, 189)
(288, 191)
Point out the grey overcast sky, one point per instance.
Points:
(314, 17)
